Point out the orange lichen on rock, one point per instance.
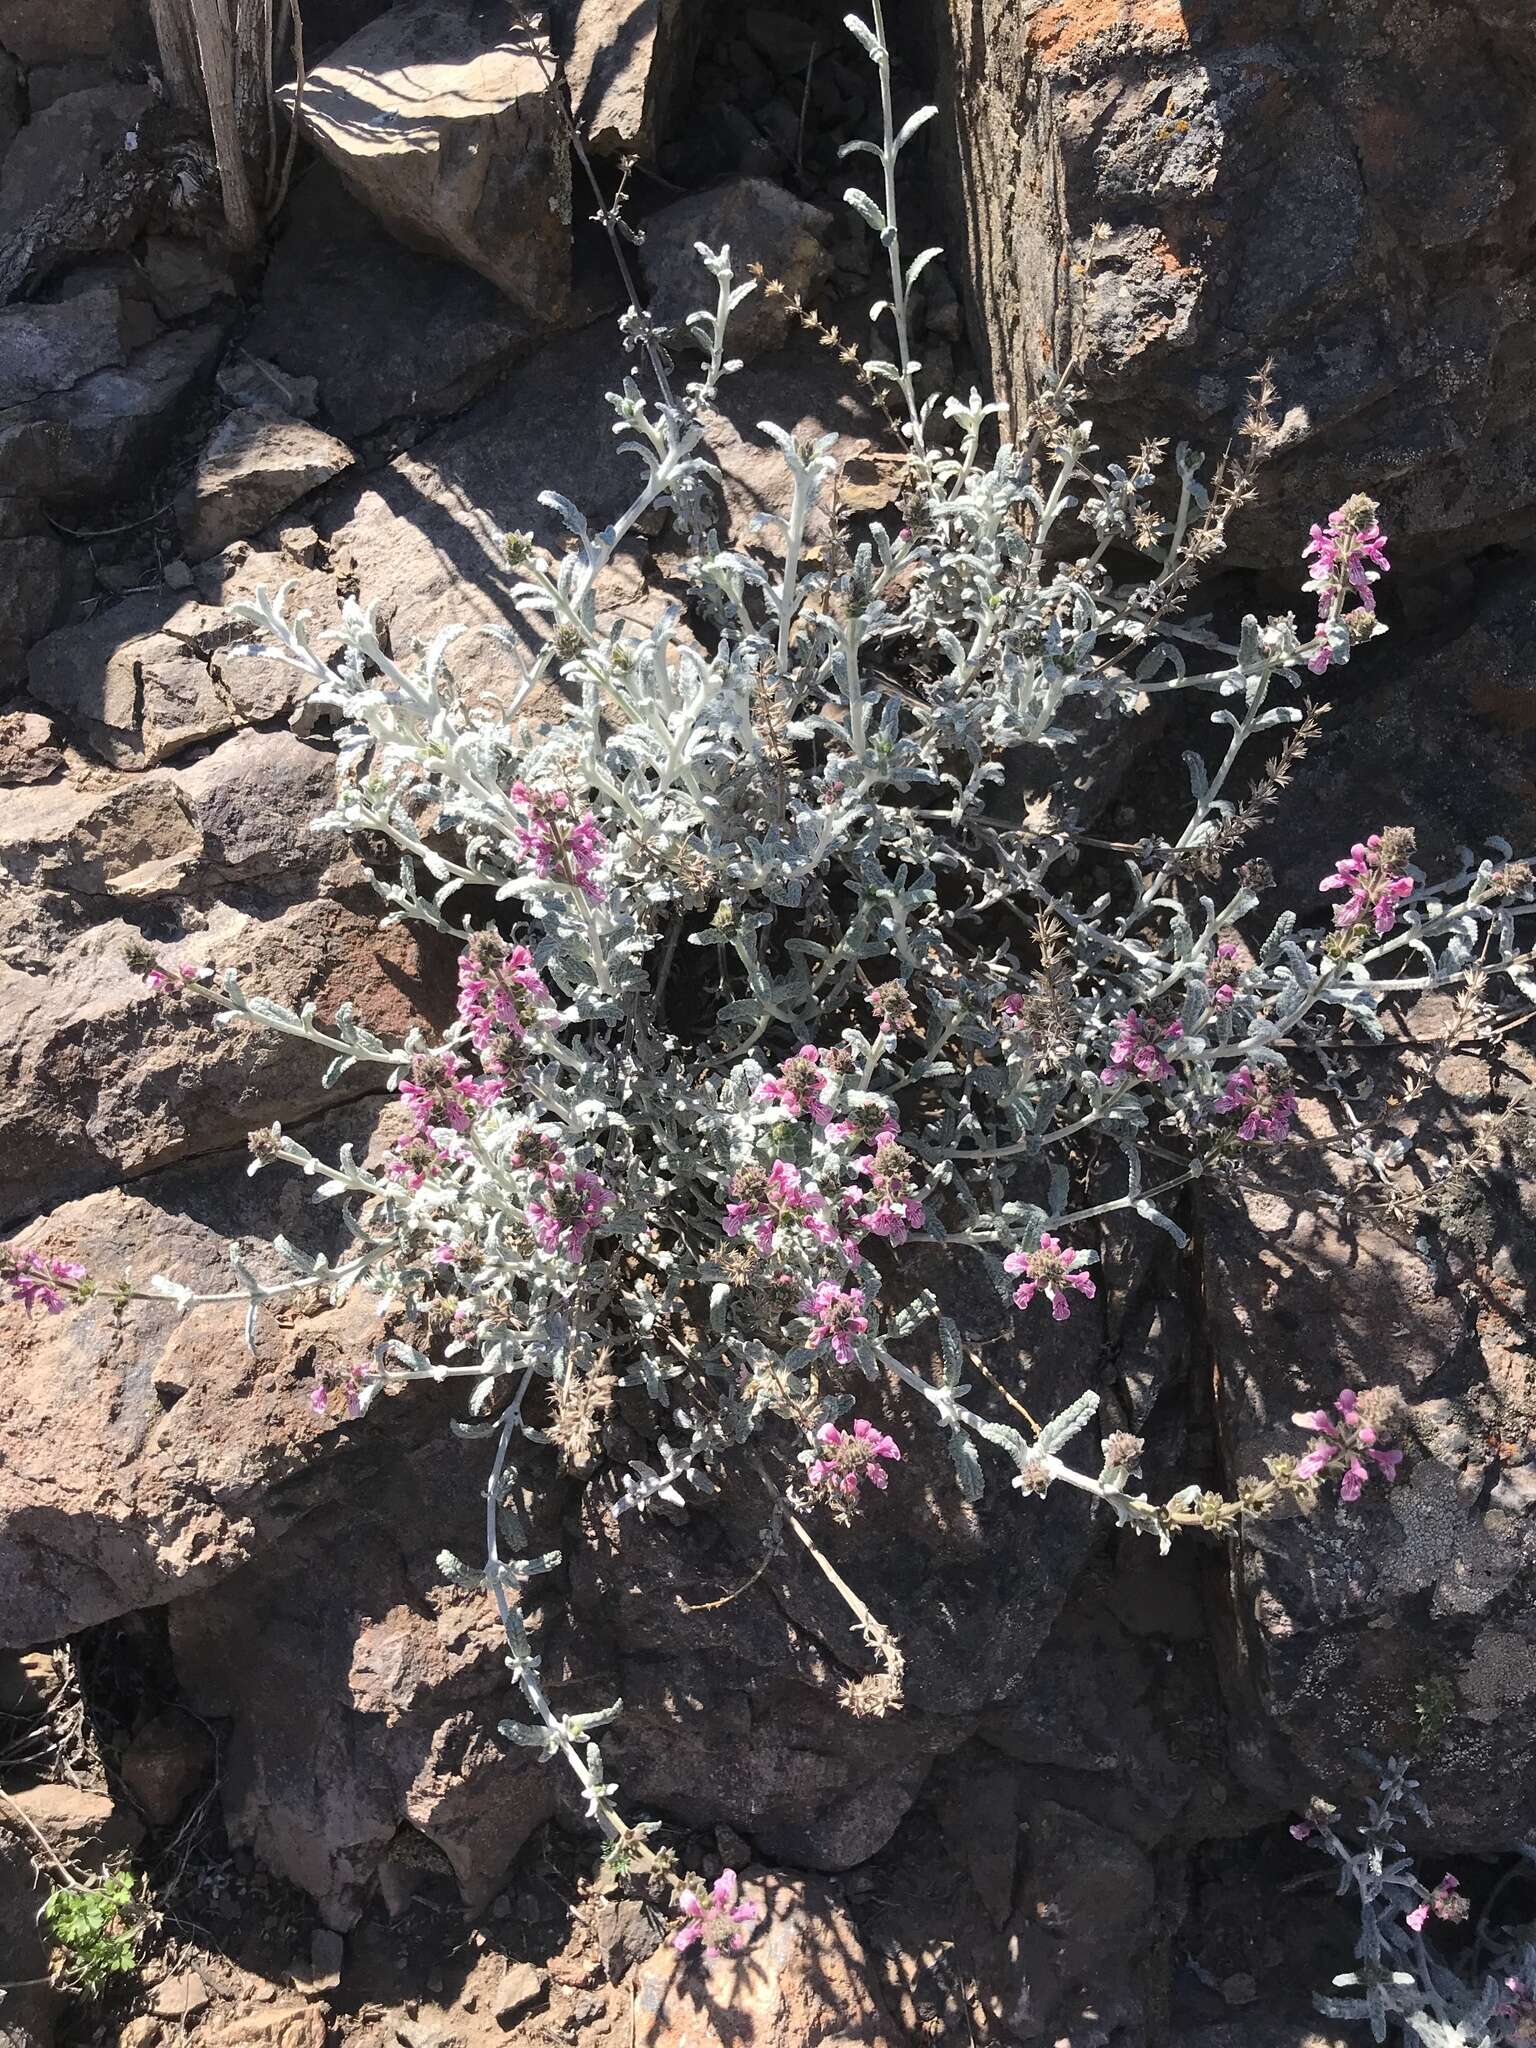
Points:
(1058, 29)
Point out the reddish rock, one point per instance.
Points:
(803, 1981)
(1344, 192)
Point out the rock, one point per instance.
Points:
(625, 1933)
(254, 799)
(90, 444)
(785, 44)
(247, 380)
(135, 839)
(327, 1953)
(80, 1827)
(134, 697)
(1248, 164)
(628, 64)
(387, 332)
(1388, 1625)
(184, 277)
(284, 2025)
(34, 584)
(28, 752)
(46, 348)
(117, 32)
(179, 1996)
(192, 1454)
(163, 1765)
(362, 1691)
(74, 182)
(105, 1081)
(763, 224)
(441, 122)
(27, 1684)
(803, 1981)
(521, 1985)
(256, 465)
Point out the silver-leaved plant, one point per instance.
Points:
(778, 950)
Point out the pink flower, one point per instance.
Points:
(1050, 1269)
(35, 1281)
(1136, 1049)
(501, 995)
(838, 1318)
(160, 977)
(762, 1203)
(892, 1208)
(1347, 556)
(1301, 1830)
(1372, 875)
(851, 1456)
(567, 1208)
(350, 1386)
(870, 1121)
(555, 843)
(801, 1086)
(1259, 1096)
(1445, 1902)
(1345, 1448)
(442, 1095)
(722, 1923)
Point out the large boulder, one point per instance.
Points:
(256, 465)
(1342, 191)
(441, 119)
(628, 64)
(76, 181)
(763, 224)
(389, 334)
(104, 1079)
(146, 1453)
(116, 32)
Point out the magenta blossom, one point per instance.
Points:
(801, 1086)
(869, 1120)
(1261, 1097)
(501, 995)
(35, 1281)
(1137, 1049)
(1347, 556)
(1373, 877)
(1225, 992)
(892, 1207)
(349, 1388)
(162, 977)
(721, 1922)
(558, 845)
(1445, 1902)
(848, 1457)
(838, 1318)
(1345, 1448)
(1051, 1269)
(763, 1203)
(441, 1094)
(567, 1208)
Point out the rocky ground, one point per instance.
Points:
(232, 1652)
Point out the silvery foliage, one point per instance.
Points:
(803, 785)
(1488, 2000)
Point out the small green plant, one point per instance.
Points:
(96, 1930)
(1434, 1707)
